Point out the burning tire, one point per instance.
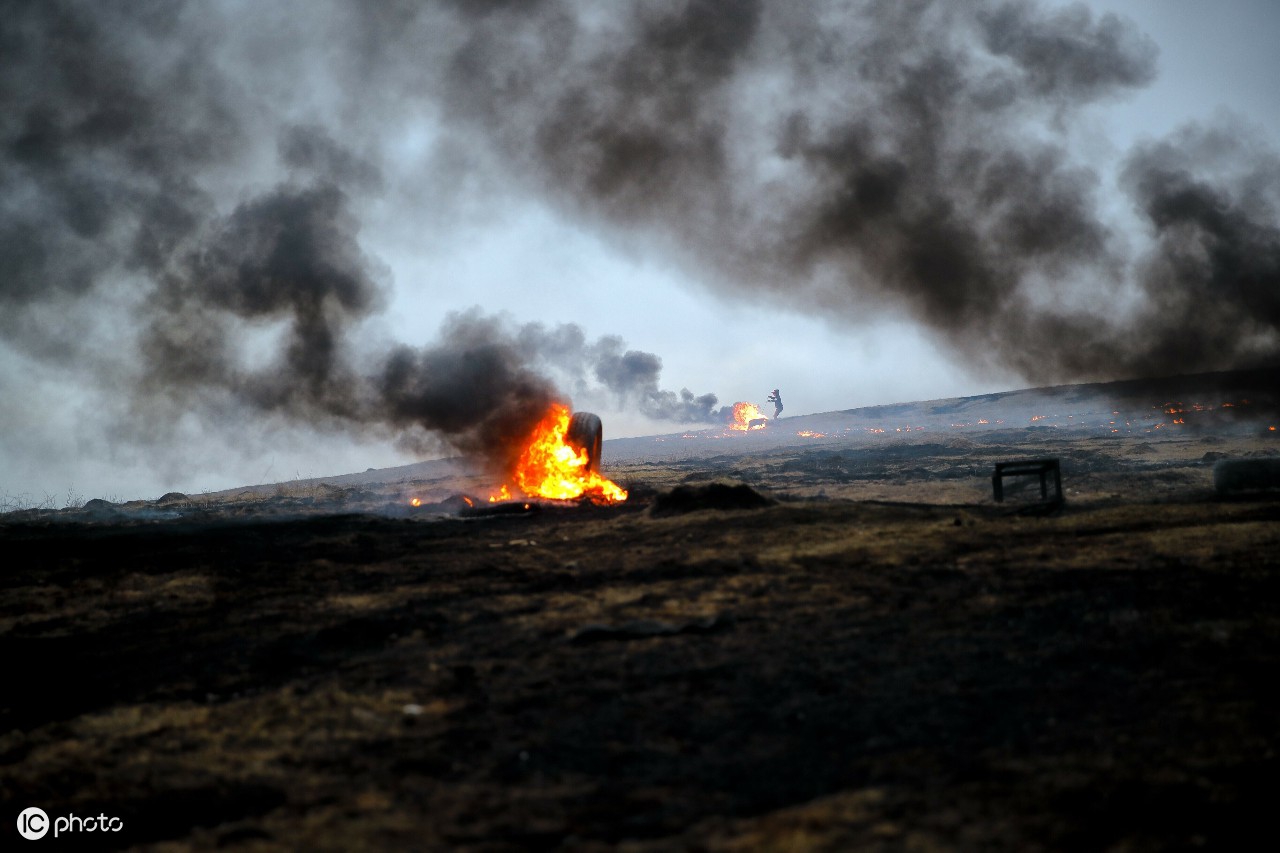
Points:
(586, 432)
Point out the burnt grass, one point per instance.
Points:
(814, 673)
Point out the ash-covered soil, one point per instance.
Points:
(874, 656)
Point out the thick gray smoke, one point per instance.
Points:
(122, 126)
(629, 376)
(837, 157)
(192, 176)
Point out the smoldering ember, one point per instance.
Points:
(1000, 575)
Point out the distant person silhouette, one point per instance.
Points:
(776, 399)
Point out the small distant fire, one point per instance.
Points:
(415, 502)
(747, 416)
(551, 468)
(808, 433)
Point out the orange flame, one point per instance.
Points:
(808, 433)
(551, 468)
(415, 502)
(744, 414)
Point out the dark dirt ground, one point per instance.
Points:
(882, 659)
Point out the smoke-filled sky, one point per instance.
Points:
(245, 242)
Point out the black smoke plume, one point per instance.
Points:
(120, 129)
(837, 158)
(192, 178)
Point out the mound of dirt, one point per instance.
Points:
(684, 499)
(1231, 476)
